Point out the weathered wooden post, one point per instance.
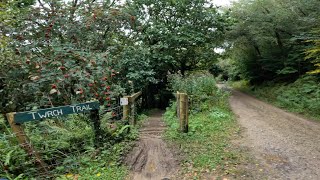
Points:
(132, 100)
(24, 141)
(94, 116)
(129, 107)
(132, 113)
(183, 112)
(178, 104)
(126, 107)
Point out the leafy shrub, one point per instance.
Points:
(198, 84)
(71, 53)
(200, 87)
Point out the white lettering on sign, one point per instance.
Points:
(59, 112)
(33, 115)
(77, 109)
(47, 114)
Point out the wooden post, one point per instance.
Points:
(183, 112)
(24, 141)
(129, 109)
(132, 114)
(178, 104)
(94, 116)
(132, 100)
(126, 109)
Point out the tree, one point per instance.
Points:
(181, 34)
(63, 54)
(267, 38)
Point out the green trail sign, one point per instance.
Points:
(23, 117)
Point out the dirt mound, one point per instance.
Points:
(151, 158)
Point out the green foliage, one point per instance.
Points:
(181, 34)
(313, 53)
(59, 64)
(67, 146)
(269, 38)
(135, 63)
(242, 85)
(67, 52)
(60, 52)
(197, 84)
(200, 87)
(205, 147)
(302, 96)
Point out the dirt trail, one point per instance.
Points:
(287, 146)
(151, 159)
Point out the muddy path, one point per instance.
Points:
(151, 159)
(287, 146)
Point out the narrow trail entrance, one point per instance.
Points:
(151, 158)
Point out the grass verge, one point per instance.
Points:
(206, 149)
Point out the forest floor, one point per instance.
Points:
(285, 145)
(151, 158)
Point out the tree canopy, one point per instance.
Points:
(59, 52)
(181, 35)
(270, 38)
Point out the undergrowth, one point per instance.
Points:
(67, 146)
(206, 148)
(301, 96)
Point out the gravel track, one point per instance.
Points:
(286, 145)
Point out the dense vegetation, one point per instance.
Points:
(58, 52)
(274, 40)
(274, 47)
(67, 146)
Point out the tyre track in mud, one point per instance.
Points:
(151, 159)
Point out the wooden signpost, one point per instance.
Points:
(128, 107)
(23, 117)
(16, 119)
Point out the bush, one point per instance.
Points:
(198, 84)
(200, 87)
